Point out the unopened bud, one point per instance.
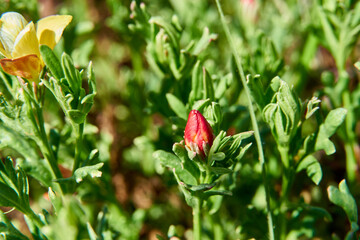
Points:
(198, 134)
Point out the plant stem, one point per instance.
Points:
(35, 219)
(286, 184)
(80, 129)
(216, 226)
(197, 219)
(350, 161)
(253, 118)
(37, 120)
(45, 147)
(349, 140)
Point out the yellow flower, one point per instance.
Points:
(20, 41)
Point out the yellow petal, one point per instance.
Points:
(50, 29)
(3, 52)
(11, 24)
(26, 42)
(28, 67)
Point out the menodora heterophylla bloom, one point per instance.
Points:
(20, 42)
(198, 133)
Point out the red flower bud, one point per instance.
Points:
(198, 133)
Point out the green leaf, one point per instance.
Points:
(196, 83)
(342, 197)
(170, 30)
(333, 120)
(186, 171)
(91, 79)
(8, 229)
(201, 104)
(92, 171)
(91, 232)
(312, 107)
(319, 212)
(243, 151)
(71, 74)
(208, 194)
(52, 62)
(200, 187)
(204, 41)
(8, 197)
(189, 165)
(55, 200)
(167, 159)
(220, 170)
(208, 85)
(32, 164)
(217, 142)
(312, 167)
(219, 156)
(76, 116)
(88, 99)
(186, 177)
(177, 106)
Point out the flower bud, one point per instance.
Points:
(198, 133)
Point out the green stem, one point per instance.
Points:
(197, 219)
(349, 140)
(253, 119)
(37, 120)
(287, 181)
(216, 226)
(46, 148)
(80, 130)
(35, 219)
(350, 161)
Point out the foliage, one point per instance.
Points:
(95, 148)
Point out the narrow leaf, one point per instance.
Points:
(177, 106)
(312, 167)
(342, 197)
(52, 62)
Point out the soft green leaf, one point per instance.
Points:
(243, 151)
(8, 197)
(196, 83)
(208, 85)
(177, 106)
(167, 159)
(333, 120)
(91, 171)
(201, 104)
(55, 200)
(204, 41)
(188, 165)
(200, 187)
(219, 156)
(312, 167)
(71, 74)
(52, 62)
(8, 229)
(76, 116)
(220, 170)
(342, 197)
(312, 107)
(186, 177)
(208, 194)
(88, 99)
(217, 142)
